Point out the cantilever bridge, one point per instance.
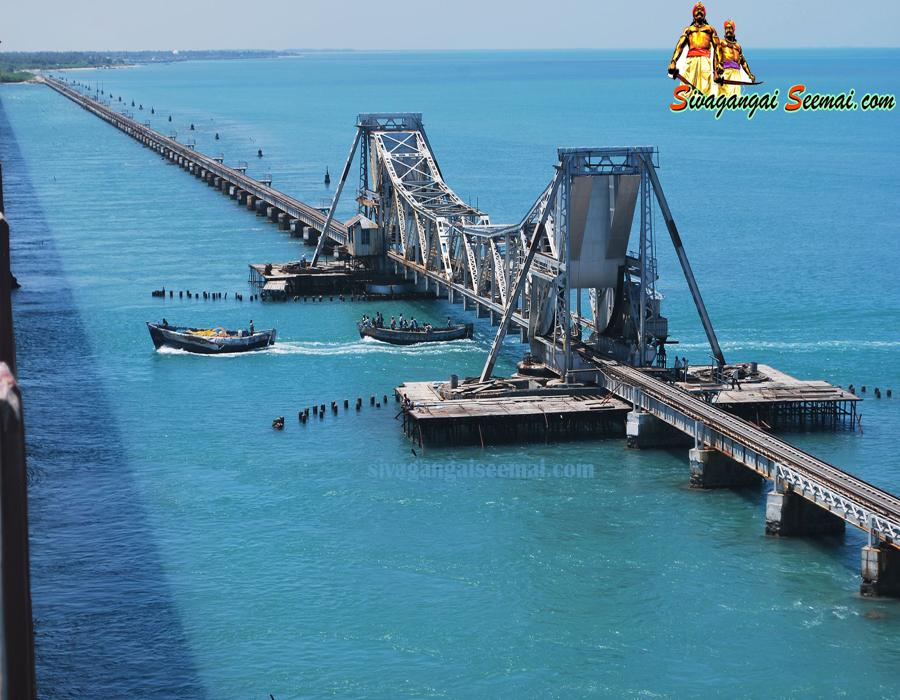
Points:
(573, 243)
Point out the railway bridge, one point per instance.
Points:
(586, 303)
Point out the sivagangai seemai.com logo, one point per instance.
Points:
(713, 70)
(470, 469)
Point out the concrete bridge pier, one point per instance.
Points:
(310, 235)
(242, 197)
(284, 221)
(789, 514)
(233, 191)
(272, 213)
(295, 227)
(645, 431)
(251, 202)
(711, 469)
(880, 571)
(216, 182)
(262, 208)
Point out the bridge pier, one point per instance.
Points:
(789, 514)
(284, 221)
(646, 431)
(880, 572)
(242, 197)
(262, 208)
(251, 202)
(711, 469)
(272, 213)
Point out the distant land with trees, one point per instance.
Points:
(19, 66)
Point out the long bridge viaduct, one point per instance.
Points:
(570, 250)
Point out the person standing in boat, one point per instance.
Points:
(393, 323)
(448, 322)
(400, 322)
(415, 324)
(251, 326)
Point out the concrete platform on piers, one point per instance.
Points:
(507, 410)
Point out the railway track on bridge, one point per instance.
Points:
(765, 444)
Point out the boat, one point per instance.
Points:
(411, 337)
(209, 341)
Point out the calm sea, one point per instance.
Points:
(182, 548)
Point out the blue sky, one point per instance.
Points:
(461, 24)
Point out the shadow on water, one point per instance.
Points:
(105, 621)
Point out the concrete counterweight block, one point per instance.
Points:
(711, 469)
(645, 431)
(788, 515)
(880, 572)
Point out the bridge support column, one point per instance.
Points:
(233, 192)
(262, 208)
(788, 515)
(272, 213)
(495, 318)
(880, 572)
(251, 201)
(242, 197)
(711, 469)
(296, 228)
(284, 222)
(645, 431)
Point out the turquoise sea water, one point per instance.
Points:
(182, 548)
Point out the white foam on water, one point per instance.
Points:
(368, 346)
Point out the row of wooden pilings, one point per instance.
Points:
(319, 410)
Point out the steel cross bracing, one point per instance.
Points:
(856, 501)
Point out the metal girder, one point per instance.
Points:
(682, 258)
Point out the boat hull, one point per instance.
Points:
(395, 337)
(180, 338)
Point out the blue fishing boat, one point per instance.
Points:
(209, 341)
(410, 337)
